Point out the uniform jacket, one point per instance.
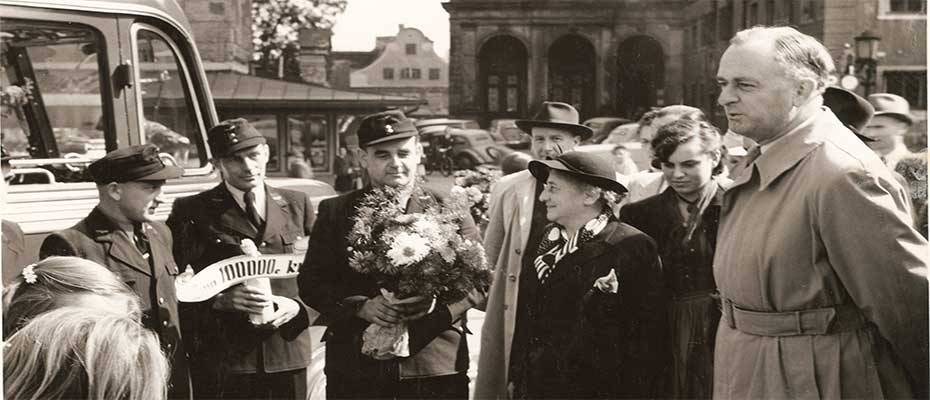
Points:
(818, 221)
(209, 227)
(510, 216)
(96, 238)
(326, 281)
(574, 341)
(14, 251)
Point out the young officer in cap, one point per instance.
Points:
(232, 357)
(517, 218)
(349, 302)
(591, 309)
(122, 235)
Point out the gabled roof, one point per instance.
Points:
(231, 89)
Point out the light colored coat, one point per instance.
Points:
(510, 215)
(819, 221)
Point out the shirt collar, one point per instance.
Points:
(239, 197)
(783, 153)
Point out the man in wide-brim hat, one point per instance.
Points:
(516, 220)
(574, 337)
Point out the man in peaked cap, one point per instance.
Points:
(891, 122)
(517, 218)
(232, 358)
(350, 302)
(122, 235)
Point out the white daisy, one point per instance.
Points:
(408, 248)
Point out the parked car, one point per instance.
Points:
(470, 147)
(506, 132)
(602, 127)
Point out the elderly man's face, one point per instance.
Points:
(755, 91)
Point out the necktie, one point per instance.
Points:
(141, 242)
(250, 210)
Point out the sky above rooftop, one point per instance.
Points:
(364, 20)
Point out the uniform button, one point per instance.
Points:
(264, 244)
(164, 323)
(161, 300)
(218, 240)
(517, 251)
(512, 278)
(170, 345)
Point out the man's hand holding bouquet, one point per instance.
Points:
(420, 261)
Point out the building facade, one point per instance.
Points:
(402, 65)
(621, 57)
(901, 24)
(305, 123)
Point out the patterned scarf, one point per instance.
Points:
(557, 244)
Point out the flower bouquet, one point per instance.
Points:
(473, 188)
(421, 254)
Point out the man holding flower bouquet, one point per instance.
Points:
(392, 271)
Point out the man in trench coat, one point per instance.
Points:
(822, 278)
(517, 219)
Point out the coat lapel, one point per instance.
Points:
(118, 244)
(231, 216)
(276, 213)
(160, 250)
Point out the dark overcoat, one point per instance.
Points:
(574, 341)
(97, 239)
(438, 347)
(209, 227)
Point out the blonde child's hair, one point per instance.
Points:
(84, 353)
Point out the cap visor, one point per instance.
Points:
(244, 144)
(169, 172)
(396, 136)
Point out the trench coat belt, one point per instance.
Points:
(817, 321)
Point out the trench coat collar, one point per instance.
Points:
(119, 244)
(601, 243)
(786, 152)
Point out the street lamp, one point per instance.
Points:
(867, 57)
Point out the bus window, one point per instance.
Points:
(51, 113)
(169, 115)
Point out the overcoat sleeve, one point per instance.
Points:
(884, 274)
(324, 280)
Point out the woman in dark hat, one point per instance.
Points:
(683, 221)
(591, 314)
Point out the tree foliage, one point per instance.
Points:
(275, 28)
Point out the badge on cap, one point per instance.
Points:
(388, 128)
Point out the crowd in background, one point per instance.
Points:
(784, 258)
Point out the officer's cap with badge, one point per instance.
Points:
(232, 135)
(134, 163)
(385, 127)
